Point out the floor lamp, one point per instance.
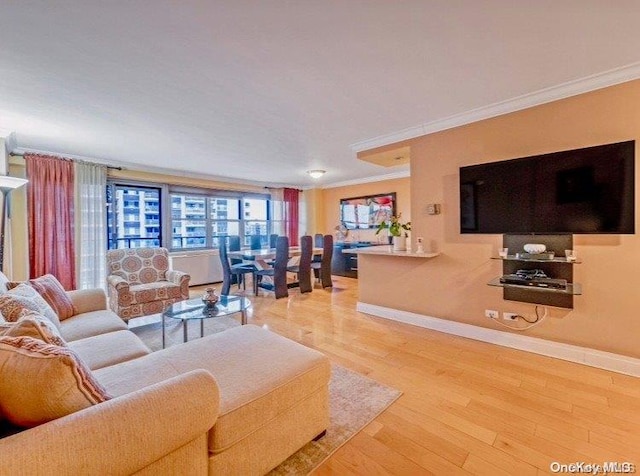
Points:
(6, 185)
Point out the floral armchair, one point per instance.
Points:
(140, 282)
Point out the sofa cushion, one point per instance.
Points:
(90, 324)
(40, 382)
(14, 301)
(32, 324)
(260, 375)
(53, 292)
(109, 349)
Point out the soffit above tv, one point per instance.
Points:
(388, 158)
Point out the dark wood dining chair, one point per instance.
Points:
(231, 272)
(303, 268)
(324, 266)
(278, 272)
(272, 240)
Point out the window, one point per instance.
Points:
(256, 220)
(225, 218)
(200, 221)
(133, 216)
(188, 221)
(139, 214)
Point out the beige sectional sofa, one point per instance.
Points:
(237, 402)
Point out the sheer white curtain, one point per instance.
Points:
(91, 224)
(277, 212)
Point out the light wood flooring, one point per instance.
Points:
(467, 407)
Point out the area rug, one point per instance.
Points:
(354, 400)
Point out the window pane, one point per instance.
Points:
(224, 208)
(188, 221)
(260, 228)
(222, 229)
(134, 218)
(254, 209)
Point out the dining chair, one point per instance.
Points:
(278, 272)
(229, 271)
(318, 240)
(323, 268)
(256, 242)
(303, 268)
(234, 245)
(272, 240)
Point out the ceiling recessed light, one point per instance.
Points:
(316, 173)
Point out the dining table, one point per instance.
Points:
(259, 258)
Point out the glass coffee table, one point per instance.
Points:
(195, 309)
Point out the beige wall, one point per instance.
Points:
(332, 198)
(314, 212)
(453, 285)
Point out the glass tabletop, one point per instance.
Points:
(196, 309)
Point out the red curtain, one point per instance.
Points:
(50, 215)
(292, 214)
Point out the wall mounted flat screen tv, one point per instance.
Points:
(590, 190)
(359, 213)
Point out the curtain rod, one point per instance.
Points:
(15, 154)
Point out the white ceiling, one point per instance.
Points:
(265, 90)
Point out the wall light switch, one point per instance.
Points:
(433, 209)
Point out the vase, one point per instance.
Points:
(399, 243)
(210, 298)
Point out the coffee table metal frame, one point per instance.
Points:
(195, 309)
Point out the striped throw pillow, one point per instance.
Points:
(40, 382)
(53, 292)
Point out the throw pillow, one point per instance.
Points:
(53, 292)
(40, 382)
(13, 302)
(32, 324)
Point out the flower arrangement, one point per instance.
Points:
(395, 226)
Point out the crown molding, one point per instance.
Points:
(543, 96)
(375, 178)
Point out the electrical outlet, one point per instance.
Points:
(491, 314)
(510, 316)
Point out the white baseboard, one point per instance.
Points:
(573, 353)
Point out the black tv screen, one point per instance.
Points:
(590, 190)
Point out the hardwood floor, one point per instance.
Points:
(467, 407)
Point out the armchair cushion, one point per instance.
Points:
(53, 292)
(40, 382)
(161, 290)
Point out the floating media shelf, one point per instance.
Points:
(557, 268)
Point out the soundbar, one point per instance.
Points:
(534, 282)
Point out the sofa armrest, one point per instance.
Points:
(87, 300)
(120, 436)
(117, 282)
(178, 277)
